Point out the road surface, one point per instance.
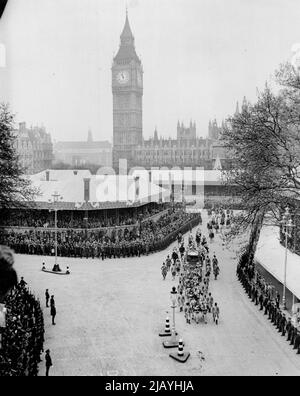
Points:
(109, 314)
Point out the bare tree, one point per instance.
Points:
(264, 143)
(15, 188)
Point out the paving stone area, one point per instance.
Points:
(109, 314)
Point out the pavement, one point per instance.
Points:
(109, 314)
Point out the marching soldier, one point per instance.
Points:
(48, 362)
(293, 335)
(278, 319)
(261, 300)
(266, 302)
(47, 296)
(289, 327)
(297, 341)
(283, 325)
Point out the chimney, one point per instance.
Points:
(22, 126)
(137, 188)
(87, 189)
(160, 189)
(90, 136)
(47, 175)
(171, 187)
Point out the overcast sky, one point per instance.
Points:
(199, 58)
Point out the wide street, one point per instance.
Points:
(109, 314)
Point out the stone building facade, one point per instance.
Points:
(34, 147)
(83, 153)
(187, 150)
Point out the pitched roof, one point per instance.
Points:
(126, 51)
(60, 174)
(127, 33)
(126, 54)
(106, 192)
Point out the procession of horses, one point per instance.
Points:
(193, 265)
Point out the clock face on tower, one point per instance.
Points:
(123, 77)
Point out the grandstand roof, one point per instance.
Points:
(84, 191)
(60, 174)
(207, 177)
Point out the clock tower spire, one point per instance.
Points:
(127, 89)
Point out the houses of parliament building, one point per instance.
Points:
(187, 150)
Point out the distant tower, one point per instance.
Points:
(213, 130)
(218, 165)
(193, 131)
(127, 89)
(90, 136)
(237, 110)
(178, 130)
(209, 129)
(245, 104)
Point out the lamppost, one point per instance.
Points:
(173, 342)
(287, 228)
(173, 296)
(140, 223)
(55, 199)
(3, 311)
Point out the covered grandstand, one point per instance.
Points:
(86, 200)
(82, 190)
(98, 201)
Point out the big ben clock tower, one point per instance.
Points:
(127, 89)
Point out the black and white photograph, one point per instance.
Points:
(149, 191)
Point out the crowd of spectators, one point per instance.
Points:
(227, 202)
(78, 219)
(22, 337)
(268, 301)
(144, 238)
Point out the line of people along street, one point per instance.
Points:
(22, 333)
(262, 295)
(22, 326)
(150, 237)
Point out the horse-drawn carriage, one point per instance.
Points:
(192, 257)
